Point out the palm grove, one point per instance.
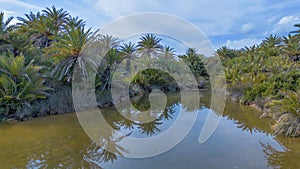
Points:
(37, 58)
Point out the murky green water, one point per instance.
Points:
(242, 140)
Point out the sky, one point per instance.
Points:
(232, 23)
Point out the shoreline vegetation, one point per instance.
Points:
(38, 55)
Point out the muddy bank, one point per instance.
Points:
(61, 101)
(258, 103)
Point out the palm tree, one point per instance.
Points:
(287, 112)
(194, 60)
(5, 30)
(29, 18)
(149, 45)
(42, 28)
(224, 52)
(68, 47)
(168, 52)
(297, 32)
(36, 26)
(112, 58)
(250, 51)
(167, 59)
(271, 45)
(272, 40)
(128, 52)
(57, 17)
(291, 48)
(109, 41)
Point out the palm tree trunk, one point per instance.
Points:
(128, 63)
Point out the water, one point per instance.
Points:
(242, 140)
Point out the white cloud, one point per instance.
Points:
(8, 14)
(216, 18)
(21, 4)
(285, 24)
(116, 9)
(238, 44)
(246, 27)
(212, 17)
(286, 20)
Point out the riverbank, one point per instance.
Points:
(285, 123)
(61, 101)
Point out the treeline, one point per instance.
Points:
(38, 55)
(268, 75)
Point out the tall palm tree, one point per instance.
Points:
(108, 41)
(149, 45)
(297, 32)
(271, 46)
(42, 28)
(57, 17)
(5, 28)
(128, 52)
(107, 45)
(272, 41)
(168, 52)
(292, 47)
(68, 47)
(11, 39)
(73, 22)
(194, 60)
(29, 18)
(167, 59)
(224, 52)
(250, 51)
(105, 72)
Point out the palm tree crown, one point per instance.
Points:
(149, 45)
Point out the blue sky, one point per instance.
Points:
(234, 23)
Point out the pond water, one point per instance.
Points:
(242, 140)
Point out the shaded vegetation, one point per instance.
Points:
(39, 54)
(267, 75)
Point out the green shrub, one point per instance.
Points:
(20, 84)
(287, 112)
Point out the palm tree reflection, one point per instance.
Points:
(84, 154)
(288, 158)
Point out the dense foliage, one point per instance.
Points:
(39, 53)
(268, 75)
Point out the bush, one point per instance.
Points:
(20, 84)
(287, 112)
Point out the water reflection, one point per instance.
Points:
(286, 158)
(93, 156)
(121, 121)
(286, 155)
(248, 120)
(59, 142)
